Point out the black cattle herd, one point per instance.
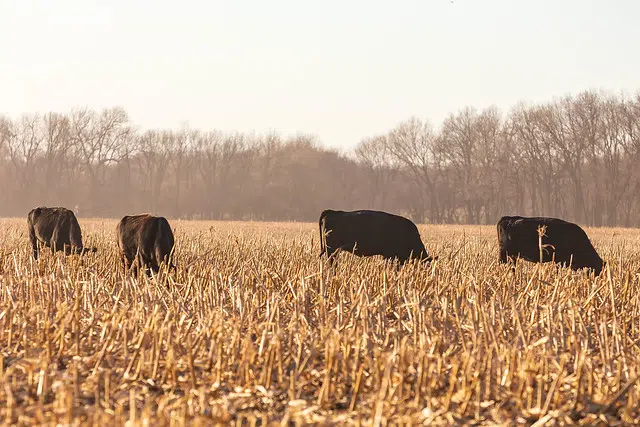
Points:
(149, 239)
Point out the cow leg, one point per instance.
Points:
(155, 267)
(141, 264)
(55, 238)
(161, 258)
(127, 261)
(503, 256)
(153, 262)
(331, 255)
(401, 260)
(131, 262)
(135, 267)
(148, 263)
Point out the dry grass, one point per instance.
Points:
(253, 328)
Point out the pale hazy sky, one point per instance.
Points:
(340, 70)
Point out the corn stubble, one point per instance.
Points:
(255, 329)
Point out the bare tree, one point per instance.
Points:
(574, 157)
(570, 127)
(411, 144)
(24, 144)
(612, 156)
(458, 145)
(268, 151)
(207, 150)
(56, 159)
(100, 140)
(154, 150)
(539, 159)
(375, 157)
(493, 164)
(180, 160)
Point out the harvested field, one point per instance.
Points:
(254, 328)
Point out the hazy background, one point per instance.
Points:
(337, 69)
(444, 111)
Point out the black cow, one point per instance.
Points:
(367, 233)
(56, 228)
(147, 237)
(563, 242)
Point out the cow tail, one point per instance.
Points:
(31, 216)
(321, 235)
(31, 223)
(321, 222)
(502, 252)
(119, 233)
(32, 232)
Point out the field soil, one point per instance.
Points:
(255, 328)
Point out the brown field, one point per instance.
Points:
(253, 328)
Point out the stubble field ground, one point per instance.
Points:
(255, 329)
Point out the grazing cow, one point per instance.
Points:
(56, 228)
(563, 242)
(367, 233)
(147, 237)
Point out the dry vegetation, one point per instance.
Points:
(253, 328)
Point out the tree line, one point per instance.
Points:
(574, 157)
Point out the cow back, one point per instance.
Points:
(131, 231)
(55, 226)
